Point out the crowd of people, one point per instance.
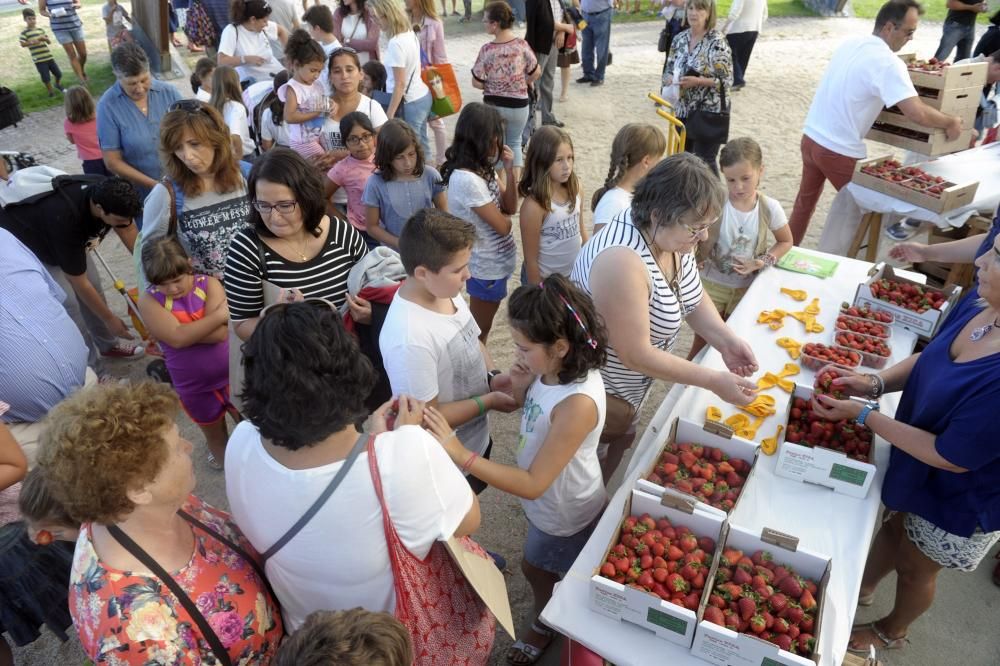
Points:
(320, 267)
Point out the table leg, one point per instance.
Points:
(874, 231)
(870, 225)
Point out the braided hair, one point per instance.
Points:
(633, 142)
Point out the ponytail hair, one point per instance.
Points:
(302, 49)
(202, 69)
(633, 142)
(558, 310)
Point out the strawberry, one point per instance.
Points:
(692, 600)
(768, 619)
(717, 601)
(807, 601)
(808, 623)
(777, 602)
(646, 562)
(747, 608)
(789, 585)
(645, 580)
(732, 620)
(793, 631)
(608, 570)
(676, 583)
(688, 572)
(780, 626)
(732, 591)
(783, 641)
(757, 624)
(621, 564)
(730, 557)
(741, 576)
(661, 591)
(761, 556)
(707, 544)
(660, 574)
(688, 543)
(793, 613)
(674, 553)
(715, 616)
(805, 644)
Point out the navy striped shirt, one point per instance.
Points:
(664, 310)
(68, 21)
(323, 276)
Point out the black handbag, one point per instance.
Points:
(665, 38)
(711, 127)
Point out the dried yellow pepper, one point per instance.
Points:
(762, 405)
(770, 380)
(775, 319)
(713, 414)
(746, 433)
(769, 445)
(796, 294)
(812, 308)
(738, 421)
(793, 347)
(789, 369)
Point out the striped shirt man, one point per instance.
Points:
(37, 43)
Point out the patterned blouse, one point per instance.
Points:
(711, 58)
(126, 618)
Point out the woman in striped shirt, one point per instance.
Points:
(641, 272)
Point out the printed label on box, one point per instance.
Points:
(796, 464)
(668, 622)
(848, 474)
(767, 661)
(609, 601)
(718, 649)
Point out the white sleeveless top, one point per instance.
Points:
(664, 310)
(577, 495)
(560, 240)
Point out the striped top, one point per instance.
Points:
(62, 15)
(40, 51)
(664, 310)
(323, 276)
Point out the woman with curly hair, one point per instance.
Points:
(203, 200)
(306, 383)
(115, 461)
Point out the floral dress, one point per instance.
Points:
(133, 618)
(711, 58)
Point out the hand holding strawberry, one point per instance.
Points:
(831, 409)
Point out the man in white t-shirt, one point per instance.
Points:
(864, 75)
(430, 342)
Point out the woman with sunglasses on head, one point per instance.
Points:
(641, 272)
(204, 197)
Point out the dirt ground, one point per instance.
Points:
(787, 64)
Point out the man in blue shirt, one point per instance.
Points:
(596, 40)
(42, 355)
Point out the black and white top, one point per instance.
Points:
(664, 309)
(323, 276)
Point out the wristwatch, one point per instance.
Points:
(870, 406)
(490, 374)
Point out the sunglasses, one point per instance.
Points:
(343, 49)
(189, 105)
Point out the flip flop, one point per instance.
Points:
(531, 652)
(866, 600)
(887, 643)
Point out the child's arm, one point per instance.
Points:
(508, 188)
(164, 326)
(572, 420)
(216, 300)
(328, 191)
(376, 231)
(13, 464)
(532, 217)
(584, 233)
(441, 201)
(292, 113)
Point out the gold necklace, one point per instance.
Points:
(673, 282)
(301, 251)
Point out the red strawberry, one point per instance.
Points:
(688, 572)
(777, 602)
(768, 619)
(608, 570)
(780, 626)
(688, 543)
(692, 600)
(676, 583)
(707, 544)
(757, 624)
(793, 631)
(793, 613)
(715, 616)
(657, 549)
(807, 601)
(717, 601)
(645, 580)
(732, 621)
(741, 576)
(747, 608)
(661, 591)
(660, 574)
(761, 556)
(698, 582)
(730, 557)
(783, 641)
(621, 564)
(789, 585)
(764, 593)
(805, 644)
(731, 590)
(808, 623)
(674, 553)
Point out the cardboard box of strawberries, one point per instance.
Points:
(764, 604)
(914, 306)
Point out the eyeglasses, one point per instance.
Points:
(696, 231)
(358, 140)
(283, 207)
(189, 105)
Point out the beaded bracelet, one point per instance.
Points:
(768, 259)
(468, 463)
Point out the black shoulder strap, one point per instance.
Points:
(320, 501)
(206, 629)
(260, 255)
(169, 185)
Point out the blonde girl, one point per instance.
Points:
(636, 149)
(227, 98)
(552, 230)
(80, 127)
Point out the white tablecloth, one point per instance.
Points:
(851, 203)
(825, 522)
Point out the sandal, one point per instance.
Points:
(866, 600)
(524, 654)
(887, 643)
(213, 463)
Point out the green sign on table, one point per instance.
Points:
(803, 262)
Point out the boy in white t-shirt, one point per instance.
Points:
(430, 342)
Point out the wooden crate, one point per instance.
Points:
(951, 101)
(894, 116)
(951, 198)
(954, 76)
(933, 142)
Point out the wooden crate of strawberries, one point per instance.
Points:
(939, 75)
(926, 141)
(765, 603)
(893, 116)
(913, 185)
(914, 306)
(839, 455)
(656, 569)
(952, 101)
(704, 462)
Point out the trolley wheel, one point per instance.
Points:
(158, 371)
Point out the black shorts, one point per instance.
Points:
(48, 66)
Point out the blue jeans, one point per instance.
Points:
(519, 9)
(415, 114)
(956, 35)
(514, 122)
(596, 40)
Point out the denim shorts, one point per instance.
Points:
(69, 36)
(491, 291)
(552, 553)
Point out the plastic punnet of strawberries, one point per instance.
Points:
(915, 297)
(661, 558)
(863, 343)
(865, 312)
(808, 428)
(704, 471)
(820, 355)
(755, 595)
(863, 326)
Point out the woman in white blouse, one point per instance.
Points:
(411, 98)
(246, 42)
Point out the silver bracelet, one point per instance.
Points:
(767, 258)
(877, 385)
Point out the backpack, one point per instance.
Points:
(32, 184)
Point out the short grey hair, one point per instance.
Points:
(129, 60)
(681, 187)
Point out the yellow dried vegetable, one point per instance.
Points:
(713, 414)
(793, 347)
(796, 294)
(789, 370)
(770, 380)
(738, 421)
(769, 445)
(762, 405)
(775, 319)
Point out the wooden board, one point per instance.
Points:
(954, 76)
(894, 116)
(951, 101)
(935, 144)
(953, 197)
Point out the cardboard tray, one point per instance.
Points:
(725, 647)
(823, 467)
(954, 76)
(951, 101)
(924, 325)
(644, 609)
(934, 145)
(710, 434)
(951, 198)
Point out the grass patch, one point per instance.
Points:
(20, 74)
